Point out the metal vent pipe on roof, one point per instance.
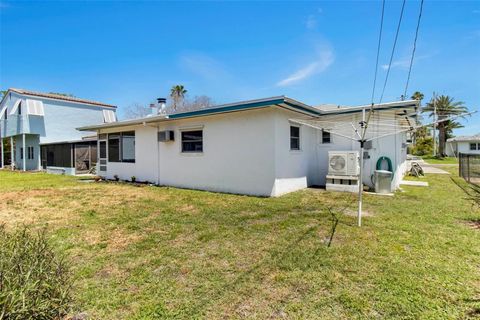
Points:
(159, 107)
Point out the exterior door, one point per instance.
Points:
(102, 157)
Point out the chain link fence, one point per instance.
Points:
(469, 167)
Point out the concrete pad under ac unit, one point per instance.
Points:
(342, 183)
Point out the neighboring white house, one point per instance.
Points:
(41, 130)
(463, 144)
(252, 147)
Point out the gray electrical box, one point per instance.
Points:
(383, 181)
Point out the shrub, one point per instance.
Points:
(423, 146)
(35, 282)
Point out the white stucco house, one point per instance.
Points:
(254, 147)
(463, 144)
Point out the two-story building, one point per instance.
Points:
(40, 131)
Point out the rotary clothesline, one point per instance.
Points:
(343, 125)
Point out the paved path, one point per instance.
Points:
(414, 183)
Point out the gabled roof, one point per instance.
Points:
(57, 97)
(278, 101)
(465, 138)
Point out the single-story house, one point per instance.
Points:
(258, 147)
(40, 129)
(463, 144)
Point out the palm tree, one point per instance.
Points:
(445, 107)
(449, 126)
(417, 95)
(177, 93)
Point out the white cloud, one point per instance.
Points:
(322, 62)
(404, 63)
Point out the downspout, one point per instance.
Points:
(158, 154)
(12, 155)
(24, 162)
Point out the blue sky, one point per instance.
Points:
(316, 52)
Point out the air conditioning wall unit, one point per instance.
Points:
(343, 163)
(166, 135)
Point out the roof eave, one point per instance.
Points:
(45, 96)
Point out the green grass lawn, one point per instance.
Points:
(156, 252)
(446, 160)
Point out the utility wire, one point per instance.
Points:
(378, 50)
(414, 48)
(393, 50)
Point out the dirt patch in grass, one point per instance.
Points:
(474, 224)
(119, 240)
(354, 213)
(60, 206)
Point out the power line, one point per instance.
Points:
(414, 48)
(378, 50)
(393, 50)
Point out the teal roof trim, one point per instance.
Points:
(239, 107)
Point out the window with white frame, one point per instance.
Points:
(326, 137)
(121, 147)
(192, 141)
(474, 146)
(35, 107)
(109, 116)
(294, 138)
(128, 146)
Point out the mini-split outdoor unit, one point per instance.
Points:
(343, 163)
(165, 136)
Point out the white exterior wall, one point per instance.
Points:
(464, 147)
(238, 154)
(245, 152)
(294, 169)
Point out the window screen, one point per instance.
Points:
(128, 146)
(326, 137)
(114, 147)
(57, 155)
(103, 149)
(294, 138)
(192, 141)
